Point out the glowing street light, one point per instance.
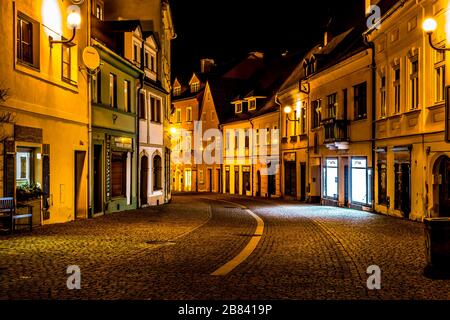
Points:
(73, 22)
(287, 110)
(429, 26)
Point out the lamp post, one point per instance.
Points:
(73, 22)
(429, 26)
(288, 111)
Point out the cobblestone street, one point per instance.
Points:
(169, 252)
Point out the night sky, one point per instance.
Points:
(227, 29)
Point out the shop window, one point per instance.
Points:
(119, 174)
(331, 178)
(361, 177)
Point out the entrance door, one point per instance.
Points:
(444, 187)
(258, 181)
(219, 181)
(80, 196)
(290, 176)
(236, 180)
(246, 182)
(98, 179)
(403, 188)
(144, 181)
(210, 177)
(303, 181)
(271, 187)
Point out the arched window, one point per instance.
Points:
(157, 173)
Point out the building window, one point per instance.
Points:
(27, 35)
(382, 178)
(189, 114)
(268, 136)
(99, 9)
(195, 87)
(383, 101)
(236, 140)
(112, 90)
(24, 167)
(142, 105)
(127, 95)
(257, 137)
(157, 173)
(176, 91)
(252, 104)
(439, 71)
(155, 109)
(178, 115)
(146, 60)
(247, 139)
(332, 103)
(95, 85)
(397, 91)
(360, 101)
(360, 181)
(238, 107)
(66, 63)
(414, 83)
(331, 178)
(153, 63)
(303, 118)
(227, 142)
(316, 114)
(119, 174)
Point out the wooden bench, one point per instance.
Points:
(8, 212)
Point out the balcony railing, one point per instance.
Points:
(335, 130)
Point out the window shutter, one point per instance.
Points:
(46, 174)
(10, 161)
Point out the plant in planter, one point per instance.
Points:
(28, 192)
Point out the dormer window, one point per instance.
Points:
(195, 87)
(252, 104)
(99, 9)
(176, 91)
(238, 107)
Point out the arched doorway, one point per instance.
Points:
(442, 186)
(144, 181)
(258, 181)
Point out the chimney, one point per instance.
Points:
(206, 65)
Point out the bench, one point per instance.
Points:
(8, 212)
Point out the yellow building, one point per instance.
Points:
(326, 124)
(412, 158)
(45, 143)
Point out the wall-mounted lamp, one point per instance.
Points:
(73, 22)
(288, 111)
(429, 26)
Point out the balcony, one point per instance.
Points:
(336, 134)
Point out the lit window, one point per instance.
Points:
(24, 168)
(112, 90)
(414, 83)
(252, 104)
(439, 71)
(178, 115)
(397, 91)
(238, 107)
(195, 87)
(332, 103)
(99, 9)
(330, 180)
(127, 96)
(177, 91)
(66, 63)
(189, 114)
(316, 114)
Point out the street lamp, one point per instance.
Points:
(288, 111)
(73, 22)
(429, 26)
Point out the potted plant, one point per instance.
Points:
(29, 198)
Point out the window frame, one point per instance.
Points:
(360, 101)
(439, 67)
(113, 90)
(414, 84)
(34, 42)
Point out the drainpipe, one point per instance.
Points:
(371, 45)
(89, 102)
(280, 155)
(141, 87)
(252, 155)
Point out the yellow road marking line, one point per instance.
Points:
(249, 248)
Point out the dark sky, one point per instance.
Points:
(226, 29)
